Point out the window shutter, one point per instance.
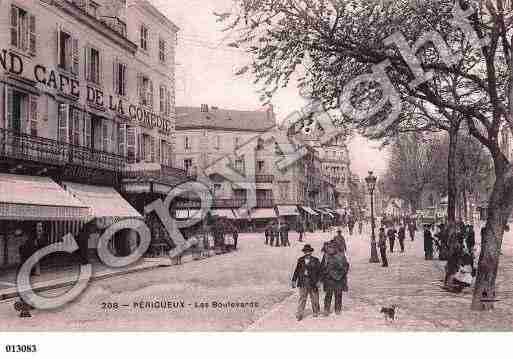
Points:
(87, 130)
(100, 67)
(33, 114)
(168, 103)
(125, 79)
(152, 149)
(158, 151)
(162, 96)
(14, 26)
(75, 56)
(105, 136)
(140, 146)
(140, 89)
(9, 104)
(131, 143)
(87, 63)
(122, 139)
(115, 77)
(32, 35)
(59, 29)
(150, 93)
(63, 122)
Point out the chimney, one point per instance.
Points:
(204, 107)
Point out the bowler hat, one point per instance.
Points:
(307, 248)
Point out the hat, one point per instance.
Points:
(307, 248)
(339, 230)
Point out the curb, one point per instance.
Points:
(55, 284)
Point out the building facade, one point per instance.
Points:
(87, 92)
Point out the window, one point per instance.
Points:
(187, 144)
(23, 30)
(187, 165)
(76, 126)
(165, 100)
(21, 112)
(63, 122)
(145, 90)
(68, 52)
(284, 191)
(236, 142)
(131, 143)
(93, 65)
(121, 129)
(92, 9)
(239, 164)
(217, 189)
(260, 166)
(166, 153)
(162, 51)
(144, 37)
(120, 78)
(148, 148)
(217, 144)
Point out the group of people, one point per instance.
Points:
(389, 231)
(277, 234)
(331, 271)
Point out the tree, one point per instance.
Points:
(338, 41)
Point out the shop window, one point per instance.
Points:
(23, 30)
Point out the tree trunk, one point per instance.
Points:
(499, 209)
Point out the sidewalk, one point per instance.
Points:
(411, 283)
(66, 276)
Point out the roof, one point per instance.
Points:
(223, 119)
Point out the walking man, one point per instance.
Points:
(340, 242)
(271, 233)
(401, 235)
(382, 244)
(334, 276)
(267, 234)
(300, 229)
(470, 238)
(428, 243)
(306, 277)
(276, 230)
(412, 229)
(391, 237)
(360, 225)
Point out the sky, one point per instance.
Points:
(206, 66)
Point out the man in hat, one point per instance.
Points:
(306, 277)
(334, 276)
(340, 241)
(382, 244)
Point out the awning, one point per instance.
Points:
(104, 202)
(310, 211)
(33, 198)
(227, 213)
(288, 211)
(263, 213)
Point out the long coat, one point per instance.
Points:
(334, 272)
(313, 269)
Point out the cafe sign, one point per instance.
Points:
(70, 86)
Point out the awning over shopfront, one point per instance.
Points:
(288, 211)
(310, 211)
(227, 213)
(29, 198)
(263, 213)
(104, 202)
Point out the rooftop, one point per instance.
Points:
(205, 117)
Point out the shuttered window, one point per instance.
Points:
(120, 78)
(131, 143)
(145, 90)
(122, 139)
(68, 52)
(93, 65)
(87, 142)
(23, 30)
(63, 122)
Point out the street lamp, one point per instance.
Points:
(371, 185)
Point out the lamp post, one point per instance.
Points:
(371, 185)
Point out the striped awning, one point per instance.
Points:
(263, 213)
(310, 211)
(33, 198)
(288, 211)
(227, 213)
(104, 202)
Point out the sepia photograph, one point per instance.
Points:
(255, 166)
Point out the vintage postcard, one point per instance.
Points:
(255, 166)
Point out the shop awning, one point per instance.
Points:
(310, 211)
(104, 202)
(30, 198)
(227, 213)
(288, 211)
(263, 213)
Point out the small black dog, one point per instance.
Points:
(389, 312)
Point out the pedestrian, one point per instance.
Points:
(301, 230)
(276, 230)
(360, 225)
(235, 237)
(306, 277)
(267, 235)
(334, 277)
(470, 239)
(391, 237)
(382, 244)
(401, 234)
(285, 235)
(40, 241)
(428, 243)
(340, 241)
(412, 229)
(350, 225)
(270, 227)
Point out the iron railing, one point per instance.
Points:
(26, 147)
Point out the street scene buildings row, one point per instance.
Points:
(89, 131)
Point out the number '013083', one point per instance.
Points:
(15, 348)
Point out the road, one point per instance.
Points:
(260, 276)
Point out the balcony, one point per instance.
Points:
(264, 202)
(25, 147)
(217, 203)
(264, 178)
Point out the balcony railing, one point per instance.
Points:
(265, 202)
(264, 178)
(39, 149)
(217, 203)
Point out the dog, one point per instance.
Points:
(390, 313)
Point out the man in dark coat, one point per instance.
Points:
(412, 228)
(401, 235)
(306, 277)
(276, 230)
(470, 238)
(340, 242)
(350, 225)
(382, 244)
(391, 237)
(235, 237)
(334, 276)
(284, 233)
(428, 243)
(271, 233)
(300, 230)
(267, 234)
